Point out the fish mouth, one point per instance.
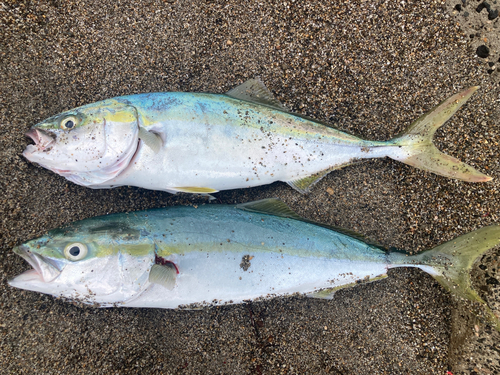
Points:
(43, 270)
(43, 140)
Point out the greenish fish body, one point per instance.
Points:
(191, 257)
(203, 143)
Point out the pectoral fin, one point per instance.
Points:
(164, 275)
(150, 139)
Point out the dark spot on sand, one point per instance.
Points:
(483, 51)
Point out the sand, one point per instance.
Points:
(367, 67)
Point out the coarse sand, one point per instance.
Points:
(367, 67)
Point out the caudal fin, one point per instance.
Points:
(453, 262)
(420, 152)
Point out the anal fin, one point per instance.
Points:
(303, 185)
(323, 293)
(327, 293)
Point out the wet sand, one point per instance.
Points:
(367, 67)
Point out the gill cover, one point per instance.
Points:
(88, 145)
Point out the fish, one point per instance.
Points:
(203, 143)
(188, 258)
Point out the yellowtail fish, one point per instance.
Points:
(187, 257)
(203, 143)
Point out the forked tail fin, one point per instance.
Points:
(453, 262)
(419, 151)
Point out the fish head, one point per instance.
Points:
(88, 145)
(104, 264)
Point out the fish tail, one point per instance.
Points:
(453, 261)
(418, 150)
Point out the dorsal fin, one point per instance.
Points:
(270, 206)
(256, 92)
(276, 207)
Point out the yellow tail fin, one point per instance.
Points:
(420, 152)
(453, 261)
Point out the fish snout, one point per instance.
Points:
(41, 265)
(42, 138)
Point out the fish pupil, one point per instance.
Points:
(70, 124)
(74, 251)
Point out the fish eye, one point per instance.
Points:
(69, 123)
(75, 251)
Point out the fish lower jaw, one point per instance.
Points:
(30, 153)
(26, 279)
(30, 150)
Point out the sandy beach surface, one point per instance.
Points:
(367, 67)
